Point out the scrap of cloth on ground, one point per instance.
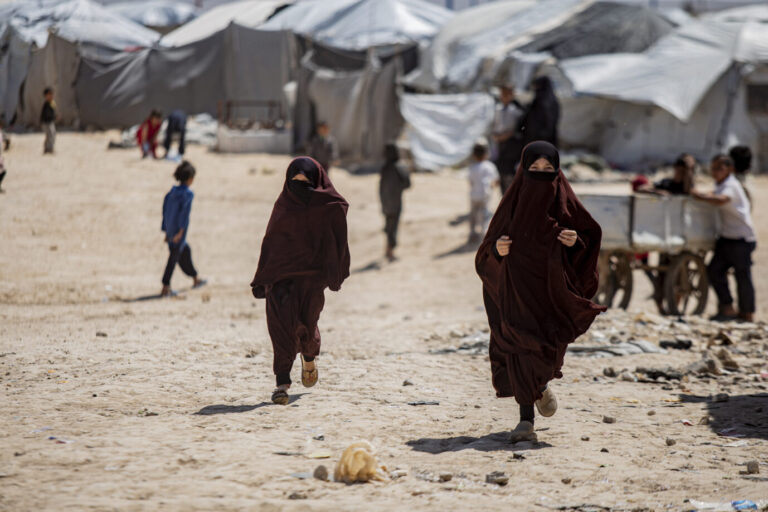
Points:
(537, 297)
(304, 251)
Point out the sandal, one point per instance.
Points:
(547, 404)
(280, 396)
(308, 377)
(523, 432)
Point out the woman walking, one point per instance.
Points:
(538, 265)
(304, 251)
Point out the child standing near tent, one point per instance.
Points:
(482, 178)
(303, 251)
(323, 147)
(146, 135)
(538, 265)
(48, 118)
(393, 181)
(177, 206)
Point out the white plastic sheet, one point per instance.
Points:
(247, 13)
(360, 24)
(443, 128)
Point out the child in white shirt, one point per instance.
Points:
(483, 176)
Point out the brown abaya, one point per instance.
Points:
(304, 251)
(537, 297)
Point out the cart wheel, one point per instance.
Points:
(686, 286)
(615, 280)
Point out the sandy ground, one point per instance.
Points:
(115, 404)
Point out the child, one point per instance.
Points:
(538, 264)
(146, 135)
(304, 251)
(323, 147)
(176, 208)
(482, 178)
(48, 120)
(393, 181)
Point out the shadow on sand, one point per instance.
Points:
(462, 249)
(230, 409)
(489, 443)
(374, 265)
(741, 416)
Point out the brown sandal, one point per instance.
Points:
(308, 377)
(280, 396)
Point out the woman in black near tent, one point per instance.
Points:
(540, 119)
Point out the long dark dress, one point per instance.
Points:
(543, 114)
(304, 251)
(537, 298)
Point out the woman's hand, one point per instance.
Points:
(567, 237)
(502, 245)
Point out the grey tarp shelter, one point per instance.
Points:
(237, 63)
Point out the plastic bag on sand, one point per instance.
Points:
(358, 464)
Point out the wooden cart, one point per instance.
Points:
(679, 228)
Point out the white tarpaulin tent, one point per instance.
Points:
(24, 37)
(81, 21)
(247, 13)
(689, 92)
(478, 44)
(360, 24)
(442, 128)
(157, 14)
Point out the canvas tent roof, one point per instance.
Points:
(80, 21)
(758, 13)
(246, 13)
(477, 39)
(662, 75)
(360, 24)
(154, 13)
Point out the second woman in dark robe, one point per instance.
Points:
(303, 252)
(538, 265)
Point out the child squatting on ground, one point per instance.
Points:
(177, 206)
(538, 265)
(304, 251)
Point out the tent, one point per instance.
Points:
(473, 49)
(442, 128)
(81, 21)
(361, 24)
(247, 13)
(237, 63)
(356, 95)
(24, 36)
(662, 109)
(160, 15)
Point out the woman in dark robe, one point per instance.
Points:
(543, 114)
(304, 251)
(538, 265)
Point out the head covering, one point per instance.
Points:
(391, 153)
(540, 149)
(543, 114)
(309, 169)
(306, 236)
(538, 297)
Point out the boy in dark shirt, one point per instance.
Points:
(323, 147)
(681, 182)
(48, 121)
(176, 209)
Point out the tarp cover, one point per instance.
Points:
(81, 21)
(359, 24)
(467, 51)
(662, 75)
(359, 105)
(156, 13)
(247, 13)
(443, 128)
(229, 65)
